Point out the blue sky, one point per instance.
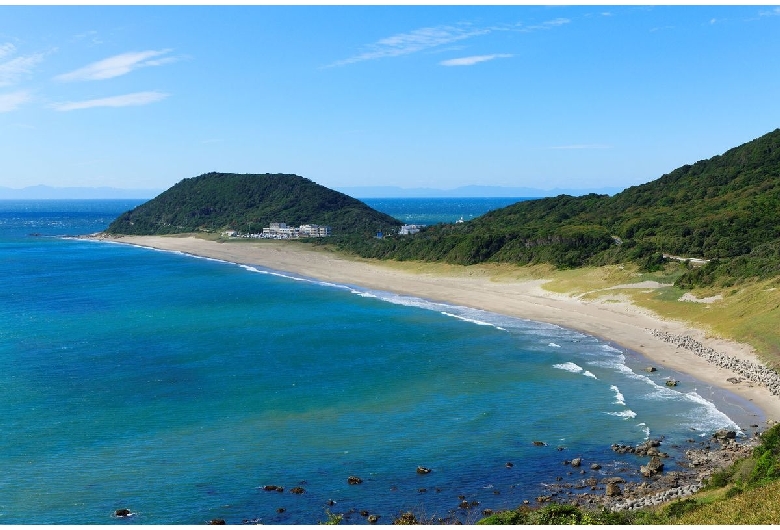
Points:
(410, 96)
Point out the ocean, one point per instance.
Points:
(178, 387)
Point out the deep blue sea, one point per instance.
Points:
(178, 387)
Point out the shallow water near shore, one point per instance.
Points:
(178, 387)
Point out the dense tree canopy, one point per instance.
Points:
(724, 209)
(219, 201)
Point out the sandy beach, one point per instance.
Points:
(619, 322)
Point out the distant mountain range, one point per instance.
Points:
(374, 192)
(383, 192)
(50, 192)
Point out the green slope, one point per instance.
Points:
(724, 209)
(218, 201)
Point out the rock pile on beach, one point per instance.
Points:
(656, 487)
(750, 371)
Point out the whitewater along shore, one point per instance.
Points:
(667, 344)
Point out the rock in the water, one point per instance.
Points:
(423, 470)
(595, 467)
(650, 369)
(725, 434)
(354, 480)
(613, 490)
(297, 490)
(576, 462)
(123, 512)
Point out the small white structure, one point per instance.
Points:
(406, 230)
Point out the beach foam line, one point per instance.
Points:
(626, 414)
(619, 398)
(713, 418)
(569, 367)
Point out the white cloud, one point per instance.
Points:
(412, 42)
(474, 59)
(12, 71)
(773, 13)
(6, 49)
(14, 100)
(127, 100)
(115, 66)
(556, 22)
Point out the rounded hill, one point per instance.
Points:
(248, 202)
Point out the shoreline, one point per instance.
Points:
(621, 323)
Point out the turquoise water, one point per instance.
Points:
(178, 386)
(429, 211)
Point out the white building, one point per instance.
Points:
(282, 231)
(406, 230)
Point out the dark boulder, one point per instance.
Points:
(613, 490)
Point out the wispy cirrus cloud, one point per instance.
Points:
(127, 100)
(11, 72)
(415, 41)
(117, 65)
(474, 59)
(6, 49)
(772, 13)
(431, 38)
(550, 24)
(14, 100)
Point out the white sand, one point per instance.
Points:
(619, 322)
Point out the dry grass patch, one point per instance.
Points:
(756, 506)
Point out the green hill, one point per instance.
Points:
(724, 209)
(219, 201)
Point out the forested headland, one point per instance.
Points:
(223, 201)
(723, 210)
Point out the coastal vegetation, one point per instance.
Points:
(226, 201)
(722, 211)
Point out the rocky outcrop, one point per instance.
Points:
(613, 490)
(354, 480)
(652, 468)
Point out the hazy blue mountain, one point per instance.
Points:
(51, 192)
(468, 191)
